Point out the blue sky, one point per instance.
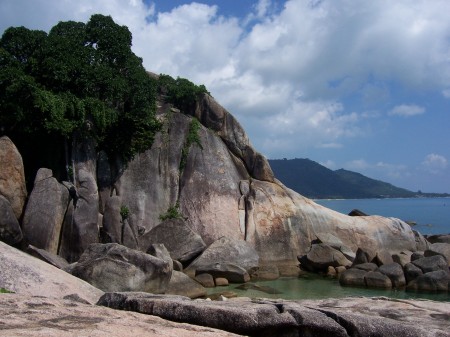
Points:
(362, 85)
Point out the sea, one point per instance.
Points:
(430, 215)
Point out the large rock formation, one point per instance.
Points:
(26, 275)
(12, 176)
(219, 186)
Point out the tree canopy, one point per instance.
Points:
(80, 78)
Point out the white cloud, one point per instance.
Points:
(435, 163)
(446, 93)
(406, 110)
(283, 73)
(329, 164)
(357, 164)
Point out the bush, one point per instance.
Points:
(172, 213)
(124, 212)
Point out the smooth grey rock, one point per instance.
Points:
(181, 284)
(265, 273)
(395, 272)
(112, 267)
(44, 213)
(383, 257)
(368, 266)
(41, 254)
(417, 255)
(421, 243)
(112, 220)
(181, 241)
(438, 238)
(27, 275)
(206, 280)
(411, 272)
(434, 281)
(12, 176)
(10, 231)
(160, 251)
(321, 256)
(439, 249)
(353, 277)
(226, 250)
(375, 279)
(231, 272)
(431, 263)
(82, 230)
(363, 256)
(402, 258)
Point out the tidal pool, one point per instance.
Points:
(310, 286)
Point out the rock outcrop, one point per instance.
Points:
(112, 267)
(12, 176)
(10, 231)
(333, 317)
(28, 276)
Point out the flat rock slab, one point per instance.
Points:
(44, 317)
(262, 317)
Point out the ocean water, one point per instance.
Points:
(311, 286)
(431, 215)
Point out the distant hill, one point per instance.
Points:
(318, 182)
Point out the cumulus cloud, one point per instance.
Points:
(406, 110)
(435, 163)
(283, 73)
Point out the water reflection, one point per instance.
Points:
(310, 286)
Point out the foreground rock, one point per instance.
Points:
(22, 316)
(334, 317)
(113, 267)
(26, 275)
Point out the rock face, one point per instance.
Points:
(26, 275)
(182, 242)
(334, 317)
(12, 176)
(10, 231)
(112, 267)
(45, 211)
(45, 317)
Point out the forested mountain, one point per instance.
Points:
(316, 181)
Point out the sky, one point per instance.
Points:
(361, 85)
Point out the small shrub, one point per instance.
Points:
(124, 212)
(5, 291)
(193, 137)
(173, 212)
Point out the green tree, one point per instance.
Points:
(79, 78)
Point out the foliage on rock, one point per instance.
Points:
(173, 212)
(192, 137)
(77, 78)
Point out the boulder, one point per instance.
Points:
(402, 258)
(112, 221)
(29, 276)
(433, 281)
(12, 176)
(160, 251)
(265, 273)
(383, 257)
(221, 281)
(81, 228)
(321, 256)
(10, 231)
(411, 272)
(375, 279)
(395, 272)
(206, 280)
(431, 263)
(231, 272)
(41, 254)
(439, 238)
(228, 251)
(439, 249)
(336, 243)
(112, 267)
(181, 241)
(41, 316)
(44, 213)
(363, 256)
(353, 277)
(417, 255)
(421, 243)
(368, 266)
(181, 284)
